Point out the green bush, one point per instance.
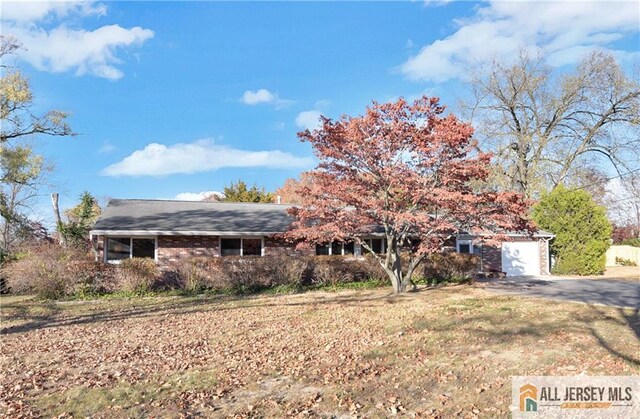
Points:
(634, 241)
(581, 227)
(451, 267)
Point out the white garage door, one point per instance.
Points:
(520, 258)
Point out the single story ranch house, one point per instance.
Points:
(168, 231)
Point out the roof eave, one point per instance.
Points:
(99, 232)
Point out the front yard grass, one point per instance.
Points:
(436, 353)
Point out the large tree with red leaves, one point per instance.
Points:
(407, 169)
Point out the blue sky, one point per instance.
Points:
(172, 98)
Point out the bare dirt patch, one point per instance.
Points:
(435, 353)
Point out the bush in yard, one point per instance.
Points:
(199, 274)
(285, 270)
(625, 262)
(333, 270)
(373, 270)
(337, 270)
(240, 274)
(633, 241)
(52, 271)
(4, 260)
(88, 277)
(136, 275)
(581, 227)
(451, 267)
(246, 274)
(626, 235)
(250, 274)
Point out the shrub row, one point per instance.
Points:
(52, 272)
(250, 274)
(451, 267)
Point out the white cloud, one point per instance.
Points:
(251, 97)
(197, 196)
(562, 30)
(35, 11)
(106, 148)
(200, 156)
(308, 120)
(63, 48)
(322, 103)
(437, 2)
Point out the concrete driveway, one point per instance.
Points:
(617, 293)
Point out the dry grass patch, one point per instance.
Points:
(435, 353)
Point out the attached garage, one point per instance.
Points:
(521, 258)
(520, 255)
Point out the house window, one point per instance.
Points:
(377, 245)
(143, 248)
(230, 247)
(465, 246)
(119, 248)
(322, 249)
(241, 247)
(349, 248)
(252, 247)
(336, 248)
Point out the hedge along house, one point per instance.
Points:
(169, 231)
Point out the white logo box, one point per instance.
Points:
(575, 397)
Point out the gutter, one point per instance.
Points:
(114, 233)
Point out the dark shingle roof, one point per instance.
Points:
(190, 216)
(153, 217)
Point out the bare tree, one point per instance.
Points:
(16, 102)
(21, 175)
(543, 128)
(21, 171)
(623, 201)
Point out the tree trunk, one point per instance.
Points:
(56, 213)
(395, 283)
(395, 273)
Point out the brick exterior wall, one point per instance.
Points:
(275, 247)
(175, 248)
(491, 258)
(172, 249)
(544, 257)
(97, 242)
